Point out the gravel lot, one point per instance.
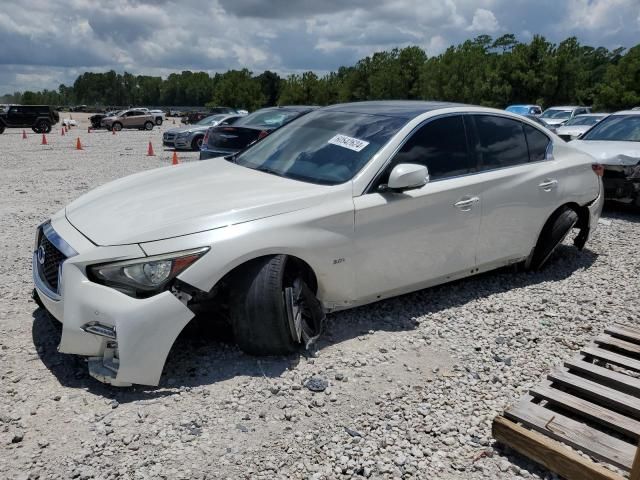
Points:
(413, 382)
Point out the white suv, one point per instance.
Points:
(346, 205)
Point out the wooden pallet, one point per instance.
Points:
(591, 404)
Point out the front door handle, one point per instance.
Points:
(466, 203)
(548, 184)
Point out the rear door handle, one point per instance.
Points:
(548, 184)
(466, 203)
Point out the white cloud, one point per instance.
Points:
(484, 21)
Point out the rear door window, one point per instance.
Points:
(440, 145)
(537, 142)
(499, 142)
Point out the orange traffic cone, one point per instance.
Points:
(175, 161)
(78, 144)
(150, 151)
(44, 139)
(62, 132)
(24, 134)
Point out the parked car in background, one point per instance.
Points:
(635, 108)
(39, 118)
(542, 123)
(556, 116)
(576, 126)
(98, 117)
(615, 143)
(227, 140)
(194, 117)
(190, 136)
(525, 109)
(158, 115)
(337, 209)
(134, 118)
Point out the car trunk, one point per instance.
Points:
(229, 137)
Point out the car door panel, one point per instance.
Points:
(407, 239)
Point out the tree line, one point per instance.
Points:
(484, 71)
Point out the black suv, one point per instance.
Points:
(39, 118)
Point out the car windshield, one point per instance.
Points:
(210, 119)
(268, 119)
(583, 120)
(621, 128)
(321, 147)
(555, 113)
(519, 109)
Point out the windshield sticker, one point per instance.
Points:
(348, 142)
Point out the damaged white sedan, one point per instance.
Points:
(345, 206)
(615, 144)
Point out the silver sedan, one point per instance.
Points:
(190, 137)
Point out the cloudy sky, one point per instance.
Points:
(48, 42)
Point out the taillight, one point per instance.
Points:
(598, 169)
(262, 134)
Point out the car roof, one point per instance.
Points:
(591, 115)
(523, 105)
(393, 108)
(627, 112)
(293, 108)
(565, 107)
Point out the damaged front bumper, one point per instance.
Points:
(622, 183)
(126, 339)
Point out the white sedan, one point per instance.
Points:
(615, 144)
(577, 126)
(344, 206)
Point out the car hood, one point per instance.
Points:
(193, 197)
(610, 152)
(189, 128)
(574, 131)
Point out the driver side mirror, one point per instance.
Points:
(406, 176)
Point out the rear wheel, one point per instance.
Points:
(43, 126)
(553, 233)
(117, 126)
(148, 125)
(196, 143)
(270, 295)
(159, 121)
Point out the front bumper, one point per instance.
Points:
(144, 329)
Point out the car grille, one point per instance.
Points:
(53, 259)
(169, 137)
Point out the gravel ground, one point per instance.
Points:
(413, 383)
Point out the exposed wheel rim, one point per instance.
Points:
(199, 143)
(148, 125)
(117, 127)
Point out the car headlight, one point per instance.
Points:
(144, 277)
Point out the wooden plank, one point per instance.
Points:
(575, 434)
(611, 357)
(625, 333)
(605, 395)
(596, 413)
(635, 468)
(548, 453)
(616, 380)
(617, 343)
